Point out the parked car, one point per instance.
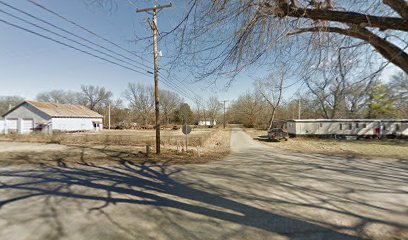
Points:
(278, 134)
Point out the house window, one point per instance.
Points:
(397, 127)
(341, 126)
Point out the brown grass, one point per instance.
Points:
(215, 146)
(360, 148)
(115, 137)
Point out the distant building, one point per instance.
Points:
(348, 127)
(30, 116)
(207, 123)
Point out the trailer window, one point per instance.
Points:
(384, 128)
(350, 126)
(397, 127)
(341, 126)
(321, 125)
(356, 125)
(364, 125)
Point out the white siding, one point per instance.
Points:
(207, 123)
(11, 125)
(27, 125)
(348, 127)
(2, 123)
(75, 124)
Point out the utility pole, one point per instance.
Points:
(224, 111)
(109, 116)
(155, 30)
(299, 109)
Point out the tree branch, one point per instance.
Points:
(347, 17)
(400, 6)
(387, 49)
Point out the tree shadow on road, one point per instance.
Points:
(144, 184)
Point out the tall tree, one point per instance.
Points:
(169, 101)
(7, 102)
(141, 100)
(381, 103)
(246, 109)
(271, 89)
(227, 36)
(213, 107)
(60, 96)
(95, 97)
(399, 86)
(183, 114)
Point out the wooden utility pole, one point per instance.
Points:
(109, 116)
(224, 112)
(155, 30)
(299, 109)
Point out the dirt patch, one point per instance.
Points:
(29, 147)
(216, 146)
(358, 148)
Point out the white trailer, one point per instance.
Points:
(348, 127)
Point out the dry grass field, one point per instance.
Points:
(359, 148)
(116, 137)
(114, 146)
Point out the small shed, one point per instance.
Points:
(30, 116)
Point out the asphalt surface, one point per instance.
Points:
(257, 192)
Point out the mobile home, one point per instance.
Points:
(348, 127)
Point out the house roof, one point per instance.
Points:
(61, 110)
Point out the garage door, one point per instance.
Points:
(11, 125)
(27, 125)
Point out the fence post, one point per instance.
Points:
(147, 150)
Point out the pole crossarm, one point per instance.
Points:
(155, 8)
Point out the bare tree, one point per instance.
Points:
(271, 89)
(200, 108)
(226, 36)
(95, 97)
(213, 107)
(60, 96)
(338, 84)
(399, 85)
(169, 102)
(247, 108)
(7, 102)
(141, 100)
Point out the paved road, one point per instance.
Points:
(257, 192)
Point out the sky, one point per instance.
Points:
(30, 64)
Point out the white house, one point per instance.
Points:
(30, 116)
(207, 123)
(348, 127)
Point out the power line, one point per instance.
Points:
(68, 32)
(167, 82)
(69, 39)
(82, 51)
(86, 30)
(67, 45)
(100, 37)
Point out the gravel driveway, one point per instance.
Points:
(257, 192)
